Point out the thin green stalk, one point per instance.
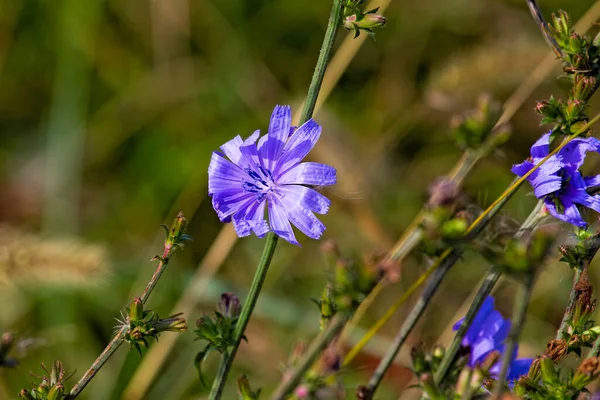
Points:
(485, 289)
(335, 19)
(518, 319)
(178, 228)
(413, 318)
(257, 283)
(271, 242)
(319, 344)
(564, 324)
(595, 351)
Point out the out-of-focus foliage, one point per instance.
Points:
(109, 111)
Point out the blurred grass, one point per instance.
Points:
(108, 116)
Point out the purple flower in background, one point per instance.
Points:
(268, 173)
(487, 333)
(559, 182)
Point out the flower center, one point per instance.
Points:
(260, 181)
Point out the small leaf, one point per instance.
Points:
(199, 359)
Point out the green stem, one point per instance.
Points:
(518, 319)
(412, 319)
(308, 359)
(335, 19)
(119, 337)
(240, 326)
(261, 272)
(595, 351)
(564, 324)
(485, 289)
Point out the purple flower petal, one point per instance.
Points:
(519, 367)
(541, 148)
(279, 222)
(480, 349)
(591, 181)
(251, 219)
(232, 149)
(523, 168)
(222, 173)
(545, 184)
(228, 202)
(306, 221)
(309, 173)
(571, 215)
(279, 130)
(473, 332)
(298, 146)
(293, 196)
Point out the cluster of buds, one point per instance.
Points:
(545, 380)
(477, 129)
(581, 59)
(351, 282)
(7, 342)
(219, 330)
(357, 20)
(447, 217)
(580, 54)
(144, 324)
(51, 386)
(523, 254)
(245, 392)
(320, 381)
(580, 251)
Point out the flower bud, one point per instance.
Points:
(550, 110)
(136, 310)
(366, 21)
(549, 372)
(419, 359)
(573, 110)
(245, 390)
(229, 306)
(430, 387)
(57, 392)
(583, 87)
(175, 235)
(174, 323)
(6, 343)
(24, 394)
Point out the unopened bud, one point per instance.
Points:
(6, 344)
(24, 394)
(549, 372)
(583, 87)
(175, 235)
(57, 392)
(136, 310)
(174, 323)
(419, 359)
(229, 306)
(366, 21)
(245, 390)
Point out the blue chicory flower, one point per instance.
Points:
(487, 333)
(268, 173)
(558, 181)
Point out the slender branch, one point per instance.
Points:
(335, 19)
(595, 351)
(259, 278)
(173, 238)
(319, 344)
(538, 17)
(261, 272)
(518, 319)
(485, 289)
(413, 318)
(564, 324)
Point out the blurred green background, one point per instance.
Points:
(109, 112)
